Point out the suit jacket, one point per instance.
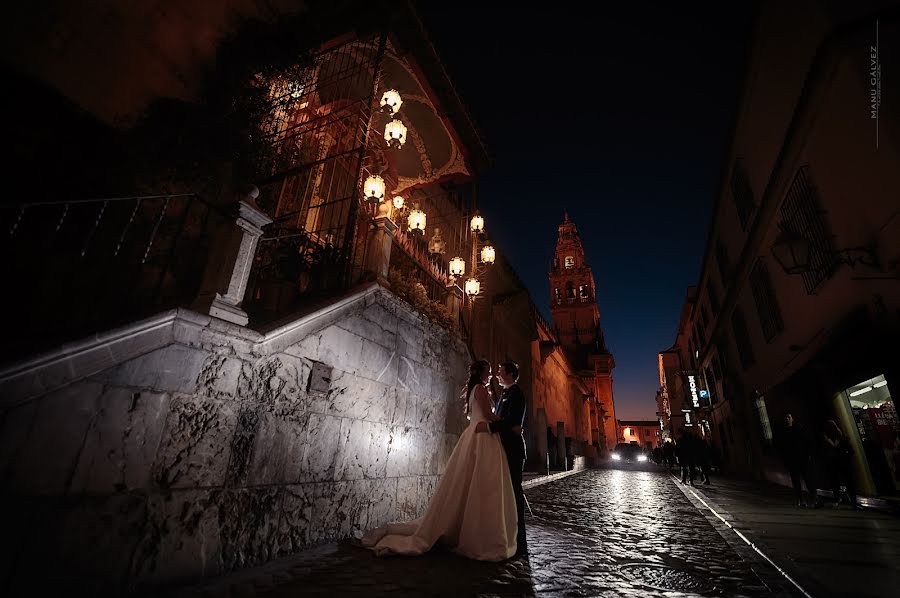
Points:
(511, 410)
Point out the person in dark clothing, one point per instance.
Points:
(686, 451)
(703, 459)
(838, 457)
(511, 410)
(794, 446)
(669, 455)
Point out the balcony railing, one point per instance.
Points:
(74, 267)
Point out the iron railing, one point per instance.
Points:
(77, 266)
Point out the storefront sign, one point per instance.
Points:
(688, 418)
(692, 388)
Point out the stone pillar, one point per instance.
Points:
(561, 445)
(541, 439)
(230, 264)
(381, 240)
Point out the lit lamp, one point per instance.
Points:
(390, 101)
(477, 224)
(791, 251)
(488, 255)
(457, 267)
(416, 221)
(374, 188)
(398, 203)
(395, 134)
(473, 287)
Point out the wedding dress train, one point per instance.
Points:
(473, 510)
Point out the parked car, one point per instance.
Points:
(628, 454)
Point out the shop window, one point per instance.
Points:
(742, 194)
(742, 339)
(802, 214)
(875, 418)
(766, 302)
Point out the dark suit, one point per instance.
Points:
(511, 410)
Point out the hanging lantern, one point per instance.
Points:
(374, 188)
(477, 224)
(395, 134)
(473, 287)
(398, 203)
(457, 266)
(416, 221)
(488, 255)
(390, 101)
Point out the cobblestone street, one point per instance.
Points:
(597, 533)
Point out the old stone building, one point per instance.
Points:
(576, 318)
(645, 433)
(797, 305)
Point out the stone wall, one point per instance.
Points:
(184, 446)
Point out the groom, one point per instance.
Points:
(511, 410)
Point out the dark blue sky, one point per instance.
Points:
(620, 114)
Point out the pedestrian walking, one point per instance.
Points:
(793, 444)
(838, 462)
(704, 459)
(669, 454)
(686, 451)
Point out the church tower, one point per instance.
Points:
(573, 304)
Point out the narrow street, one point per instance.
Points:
(596, 533)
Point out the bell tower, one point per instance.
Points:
(573, 304)
(573, 301)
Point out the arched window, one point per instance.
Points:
(570, 290)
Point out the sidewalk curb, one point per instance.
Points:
(539, 481)
(778, 571)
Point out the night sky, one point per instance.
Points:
(620, 114)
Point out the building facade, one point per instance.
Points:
(797, 308)
(645, 433)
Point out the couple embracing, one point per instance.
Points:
(478, 507)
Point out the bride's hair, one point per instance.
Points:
(476, 374)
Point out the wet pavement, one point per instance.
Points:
(596, 533)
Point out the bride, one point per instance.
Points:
(473, 510)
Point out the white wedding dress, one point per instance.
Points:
(473, 510)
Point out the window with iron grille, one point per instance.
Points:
(713, 296)
(802, 214)
(742, 194)
(766, 302)
(722, 261)
(742, 339)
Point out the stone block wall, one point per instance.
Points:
(186, 446)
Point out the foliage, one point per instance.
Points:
(415, 294)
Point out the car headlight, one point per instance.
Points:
(616, 457)
(642, 458)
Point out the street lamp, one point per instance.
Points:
(416, 221)
(395, 134)
(398, 203)
(391, 101)
(457, 267)
(473, 287)
(477, 224)
(374, 188)
(488, 254)
(791, 251)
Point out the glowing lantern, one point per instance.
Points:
(477, 224)
(473, 287)
(374, 188)
(390, 101)
(398, 202)
(488, 254)
(416, 221)
(457, 266)
(395, 134)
